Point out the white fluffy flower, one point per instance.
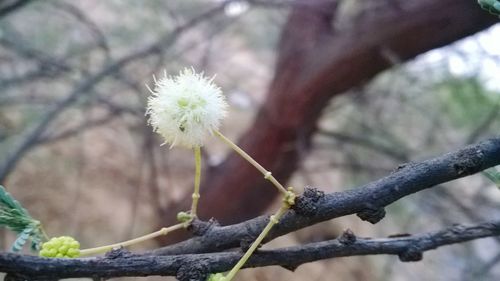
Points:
(184, 108)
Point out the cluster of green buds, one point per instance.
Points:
(61, 247)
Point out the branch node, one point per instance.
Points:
(200, 228)
(193, 272)
(412, 254)
(118, 253)
(469, 161)
(305, 205)
(372, 214)
(313, 193)
(403, 166)
(348, 237)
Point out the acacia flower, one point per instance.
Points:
(184, 108)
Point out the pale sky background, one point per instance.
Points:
(479, 53)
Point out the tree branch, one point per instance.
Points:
(198, 266)
(367, 201)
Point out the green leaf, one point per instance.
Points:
(493, 174)
(21, 240)
(16, 218)
(12, 214)
(36, 243)
(492, 6)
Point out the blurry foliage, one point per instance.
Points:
(16, 218)
(407, 114)
(465, 101)
(407, 111)
(493, 174)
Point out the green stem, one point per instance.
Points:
(197, 178)
(266, 173)
(45, 236)
(103, 249)
(274, 219)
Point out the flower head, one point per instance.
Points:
(184, 108)
(61, 247)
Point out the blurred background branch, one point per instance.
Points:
(9, 6)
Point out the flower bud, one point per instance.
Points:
(60, 247)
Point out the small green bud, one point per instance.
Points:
(289, 197)
(73, 253)
(184, 216)
(52, 253)
(216, 277)
(75, 244)
(63, 249)
(44, 253)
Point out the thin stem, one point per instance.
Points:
(103, 249)
(197, 177)
(266, 173)
(274, 219)
(45, 236)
